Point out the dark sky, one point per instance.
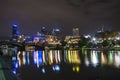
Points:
(31, 15)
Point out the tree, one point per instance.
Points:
(84, 41)
(63, 43)
(108, 43)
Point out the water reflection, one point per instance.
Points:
(117, 60)
(110, 58)
(54, 58)
(15, 65)
(72, 56)
(56, 68)
(55, 64)
(43, 70)
(87, 62)
(76, 68)
(94, 58)
(103, 58)
(38, 58)
(23, 58)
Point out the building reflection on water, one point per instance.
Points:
(55, 58)
(48, 57)
(110, 58)
(72, 56)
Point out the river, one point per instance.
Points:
(66, 65)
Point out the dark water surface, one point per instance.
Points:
(67, 65)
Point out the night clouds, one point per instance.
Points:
(32, 14)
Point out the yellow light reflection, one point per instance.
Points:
(56, 57)
(50, 57)
(72, 56)
(22, 60)
(73, 68)
(44, 61)
(76, 57)
(18, 58)
(69, 56)
(103, 59)
(76, 69)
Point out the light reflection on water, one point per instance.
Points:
(56, 57)
(50, 57)
(94, 58)
(70, 56)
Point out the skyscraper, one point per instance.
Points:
(15, 32)
(44, 30)
(75, 31)
(55, 31)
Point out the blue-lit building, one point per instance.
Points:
(15, 32)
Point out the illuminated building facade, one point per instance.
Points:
(52, 39)
(21, 38)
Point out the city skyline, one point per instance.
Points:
(88, 15)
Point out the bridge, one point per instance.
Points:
(10, 43)
(19, 45)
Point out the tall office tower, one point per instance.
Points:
(55, 31)
(15, 32)
(102, 28)
(75, 31)
(44, 30)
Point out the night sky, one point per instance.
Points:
(31, 15)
